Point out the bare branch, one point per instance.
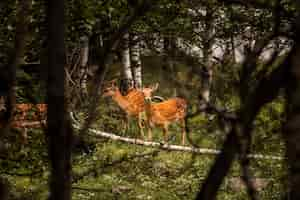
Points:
(106, 59)
(267, 89)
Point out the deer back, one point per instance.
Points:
(136, 99)
(168, 111)
(22, 110)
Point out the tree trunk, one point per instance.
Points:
(169, 65)
(127, 73)
(207, 56)
(136, 61)
(84, 54)
(22, 24)
(291, 130)
(58, 129)
(4, 189)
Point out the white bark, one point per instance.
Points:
(195, 150)
(127, 73)
(207, 57)
(136, 61)
(84, 53)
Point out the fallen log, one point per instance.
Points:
(165, 146)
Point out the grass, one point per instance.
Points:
(116, 170)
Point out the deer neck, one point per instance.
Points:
(148, 107)
(120, 100)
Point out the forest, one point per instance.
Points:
(149, 99)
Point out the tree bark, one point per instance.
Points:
(207, 55)
(135, 141)
(266, 90)
(84, 51)
(126, 65)
(291, 133)
(8, 77)
(169, 64)
(4, 189)
(136, 63)
(58, 129)
(106, 58)
(22, 24)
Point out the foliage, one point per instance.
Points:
(116, 170)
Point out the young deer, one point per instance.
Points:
(38, 110)
(20, 120)
(164, 113)
(133, 103)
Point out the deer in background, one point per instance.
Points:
(38, 110)
(164, 113)
(133, 103)
(21, 120)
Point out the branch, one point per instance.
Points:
(106, 58)
(266, 91)
(158, 145)
(88, 189)
(22, 174)
(268, 5)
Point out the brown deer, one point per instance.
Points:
(133, 103)
(21, 121)
(164, 113)
(38, 110)
(20, 116)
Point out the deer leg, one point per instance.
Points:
(183, 137)
(126, 124)
(24, 135)
(165, 132)
(140, 123)
(148, 125)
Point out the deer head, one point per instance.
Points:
(149, 90)
(110, 89)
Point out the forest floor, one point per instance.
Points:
(117, 170)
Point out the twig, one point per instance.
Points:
(88, 189)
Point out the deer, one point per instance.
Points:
(39, 110)
(164, 113)
(20, 118)
(133, 103)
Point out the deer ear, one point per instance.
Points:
(155, 86)
(113, 82)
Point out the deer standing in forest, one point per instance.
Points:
(21, 114)
(164, 113)
(133, 103)
(21, 120)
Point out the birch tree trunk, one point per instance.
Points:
(126, 66)
(207, 56)
(169, 48)
(136, 63)
(58, 126)
(84, 51)
(292, 126)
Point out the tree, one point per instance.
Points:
(58, 126)
(135, 56)
(126, 64)
(291, 133)
(8, 76)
